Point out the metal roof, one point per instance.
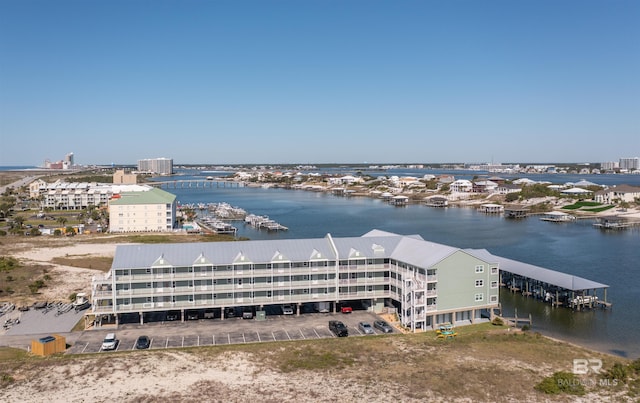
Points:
(410, 249)
(151, 196)
(564, 280)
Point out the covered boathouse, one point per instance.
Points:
(557, 288)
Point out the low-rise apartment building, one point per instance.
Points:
(61, 195)
(428, 283)
(151, 210)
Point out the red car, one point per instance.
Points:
(346, 309)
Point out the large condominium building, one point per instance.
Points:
(428, 283)
(630, 164)
(160, 166)
(152, 210)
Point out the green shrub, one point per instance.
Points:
(617, 372)
(497, 321)
(8, 263)
(561, 382)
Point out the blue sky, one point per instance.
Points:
(225, 82)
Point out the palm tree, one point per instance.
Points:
(62, 220)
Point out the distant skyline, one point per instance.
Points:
(311, 82)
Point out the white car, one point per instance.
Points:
(110, 342)
(287, 310)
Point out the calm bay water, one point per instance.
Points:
(577, 248)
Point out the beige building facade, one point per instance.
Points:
(150, 211)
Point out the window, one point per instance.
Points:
(494, 284)
(479, 283)
(480, 269)
(479, 297)
(493, 298)
(494, 270)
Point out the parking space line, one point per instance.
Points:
(274, 336)
(85, 347)
(198, 340)
(285, 330)
(182, 341)
(213, 339)
(150, 342)
(244, 340)
(314, 331)
(302, 334)
(229, 337)
(259, 337)
(166, 345)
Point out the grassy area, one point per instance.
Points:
(102, 263)
(581, 204)
(598, 209)
(160, 238)
(23, 281)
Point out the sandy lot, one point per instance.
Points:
(184, 377)
(67, 279)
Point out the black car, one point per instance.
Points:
(338, 328)
(383, 326)
(143, 343)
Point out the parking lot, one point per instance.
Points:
(213, 332)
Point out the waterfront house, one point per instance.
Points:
(484, 186)
(461, 186)
(507, 188)
(616, 194)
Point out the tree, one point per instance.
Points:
(62, 220)
(19, 220)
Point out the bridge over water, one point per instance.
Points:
(197, 183)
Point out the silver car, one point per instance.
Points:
(383, 326)
(365, 328)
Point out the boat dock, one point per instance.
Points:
(557, 216)
(264, 222)
(615, 223)
(217, 226)
(550, 286)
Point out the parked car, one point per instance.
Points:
(110, 342)
(287, 310)
(346, 309)
(338, 328)
(172, 316)
(192, 316)
(365, 327)
(247, 313)
(143, 343)
(383, 326)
